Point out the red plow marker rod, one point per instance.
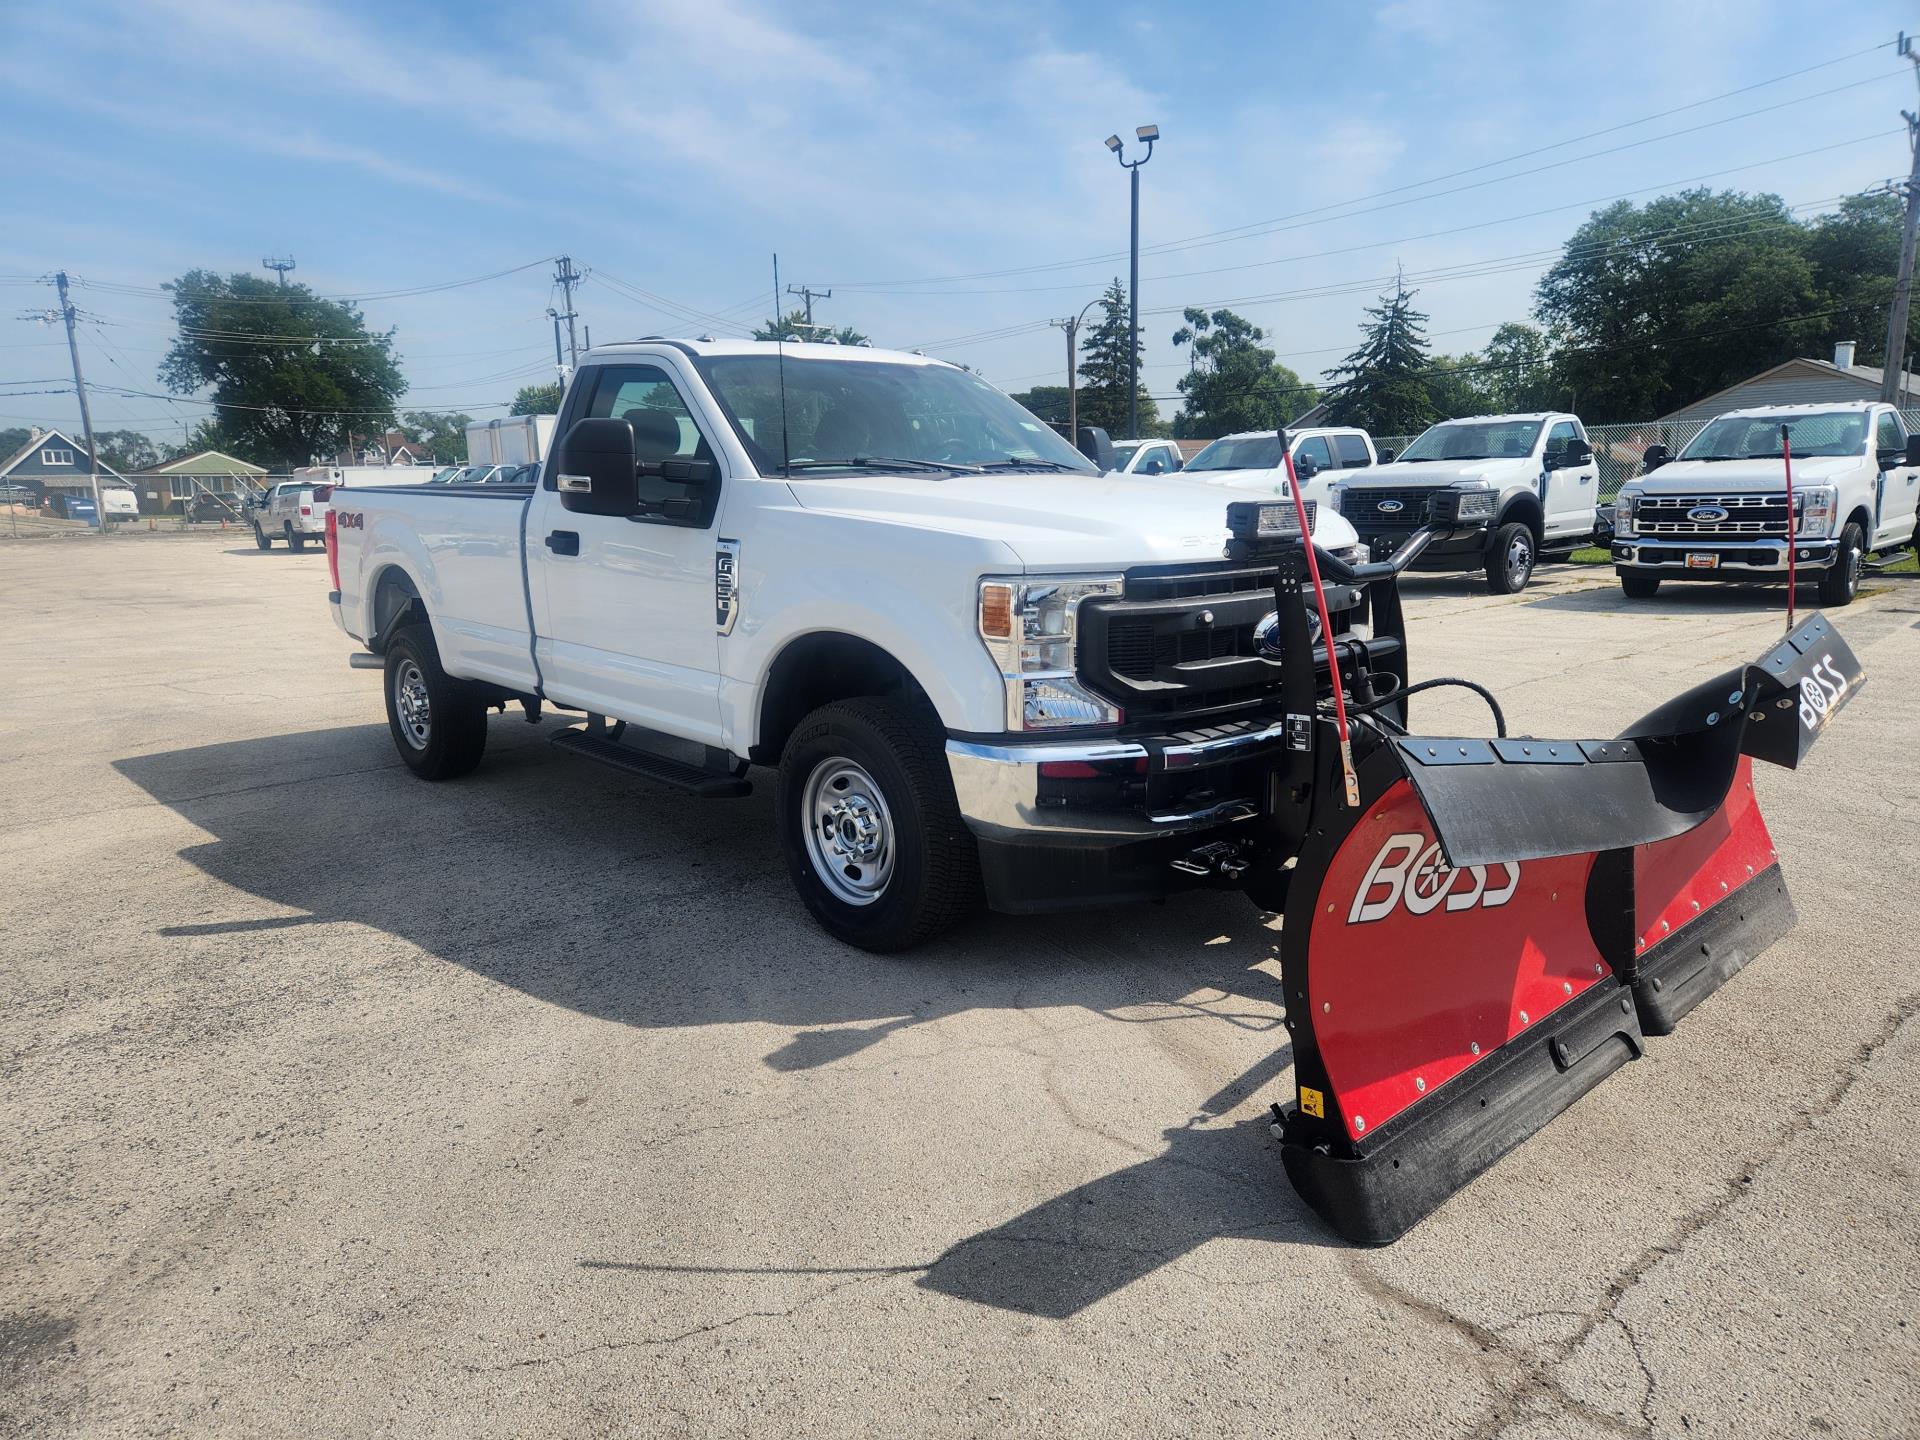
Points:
(1352, 781)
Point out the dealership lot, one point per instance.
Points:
(533, 1103)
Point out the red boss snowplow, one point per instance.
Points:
(1498, 923)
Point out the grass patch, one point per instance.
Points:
(1592, 555)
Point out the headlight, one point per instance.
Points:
(1476, 504)
(1030, 626)
(1814, 506)
(1335, 494)
(1624, 506)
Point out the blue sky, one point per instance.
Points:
(883, 150)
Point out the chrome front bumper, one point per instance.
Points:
(998, 787)
(1671, 556)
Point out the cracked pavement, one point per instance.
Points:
(340, 1104)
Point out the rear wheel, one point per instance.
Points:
(1639, 587)
(1510, 559)
(873, 835)
(1842, 580)
(439, 725)
(296, 542)
(260, 537)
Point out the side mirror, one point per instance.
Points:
(1387, 455)
(1155, 466)
(1097, 446)
(1913, 450)
(1578, 452)
(1656, 456)
(596, 474)
(1305, 466)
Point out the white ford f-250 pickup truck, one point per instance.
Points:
(978, 663)
(1719, 512)
(1533, 477)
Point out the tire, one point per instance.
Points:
(296, 542)
(910, 870)
(1842, 580)
(439, 724)
(1639, 587)
(261, 538)
(1511, 556)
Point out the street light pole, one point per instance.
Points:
(1149, 134)
(1072, 327)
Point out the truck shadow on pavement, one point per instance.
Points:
(635, 905)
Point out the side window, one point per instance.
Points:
(1314, 448)
(663, 428)
(1559, 437)
(1352, 450)
(1887, 434)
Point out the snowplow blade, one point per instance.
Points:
(1500, 924)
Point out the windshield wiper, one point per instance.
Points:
(1015, 462)
(884, 462)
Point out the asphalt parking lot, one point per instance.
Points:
(335, 1103)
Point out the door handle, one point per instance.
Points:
(564, 542)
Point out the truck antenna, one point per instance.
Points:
(780, 353)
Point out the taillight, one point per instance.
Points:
(333, 548)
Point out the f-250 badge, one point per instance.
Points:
(726, 585)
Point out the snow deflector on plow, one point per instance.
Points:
(1501, 922)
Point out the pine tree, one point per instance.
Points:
(1103, 371)
(1382, 386)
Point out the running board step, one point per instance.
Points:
(1887, 562)
(693, 779)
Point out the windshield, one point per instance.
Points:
(1248, 452)
(1125, 450)
(1754, 437)
(872, 414)
(1474, 440)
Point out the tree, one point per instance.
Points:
(127, 451)
(1854, 251)
(1517, 371)
(1382, 386)
(537, 400)
(1103, 371)
(445, 435)
(291, 373)
(1235, 383)
(793, 326)
(1654, 306)
(1049, 402)
(1455, 386)
(212, 435)
(13, 438)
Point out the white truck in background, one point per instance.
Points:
(1719, 511)
(979, 665)
(1251, 459)
(510, 439)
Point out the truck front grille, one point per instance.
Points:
(1181, 641)
(1380, 508)
(1741, 517)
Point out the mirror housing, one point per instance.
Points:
(1913, 450)
(1578, 452)
(596, 474)
(1305, 466)
(1387, 455)
(1096, 445)
(1155, 466)
(1655, 457)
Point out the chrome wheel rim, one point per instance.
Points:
(850, 837)
(411, 705)
(1519, 559)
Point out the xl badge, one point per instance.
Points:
(726, 585)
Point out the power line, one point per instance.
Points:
(433, 288)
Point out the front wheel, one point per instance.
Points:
(260, 537)
(1510, 558)
(1639, 587)
(439, 726)
(1842, 580)
(873, 836)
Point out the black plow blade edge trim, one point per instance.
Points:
(1705, 953)
(1421, 1157)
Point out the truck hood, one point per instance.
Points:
(1055, 522)
(1693, 477)
(1508, 470)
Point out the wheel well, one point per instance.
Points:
(1864, 520)
(396, 602)
(816, 670)
(1526, 509)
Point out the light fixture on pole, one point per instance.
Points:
(1146, 134)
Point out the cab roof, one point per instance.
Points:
(1749, 412)
(706, 345)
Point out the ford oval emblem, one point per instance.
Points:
(1391, 507)
(1266, 635)
(1707, 514)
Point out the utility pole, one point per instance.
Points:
(566, 277)
(1903, 280)
(80, 389)
(809, 296)
(1072, 327)
(283, 265)
(559, 357)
